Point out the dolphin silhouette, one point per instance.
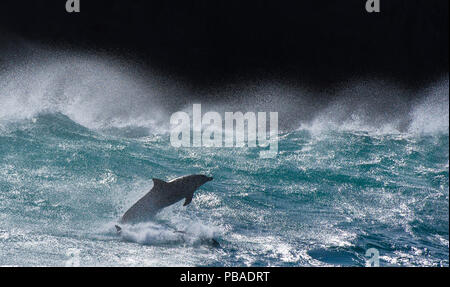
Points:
(163, 194)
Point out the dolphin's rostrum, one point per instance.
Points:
(162, 195)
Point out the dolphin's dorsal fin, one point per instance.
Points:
(157, 183)
(188, 199)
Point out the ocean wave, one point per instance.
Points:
(104, 93)
(95, 92)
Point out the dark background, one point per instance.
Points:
(211, 41)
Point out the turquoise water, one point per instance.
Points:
(81, 138)
(324, 200)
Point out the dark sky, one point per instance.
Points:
(206, 41)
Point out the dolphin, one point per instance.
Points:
(164, 194)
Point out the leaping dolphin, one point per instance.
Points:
(162, 195)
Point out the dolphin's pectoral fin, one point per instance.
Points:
(157, 183)
(188, 200)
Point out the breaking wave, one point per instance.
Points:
(81, 137)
